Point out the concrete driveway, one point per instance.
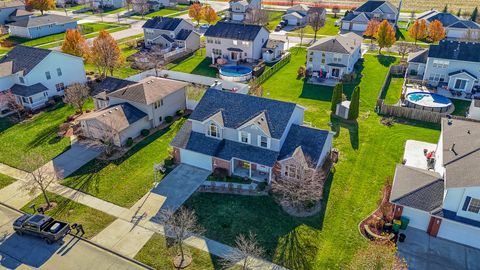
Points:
(71, 160)
(424, 252)
(28, 252)
(178, 186)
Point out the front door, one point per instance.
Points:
(234, 56)
(335, 72)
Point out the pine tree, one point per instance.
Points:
(459, 13)
(354, 104)
(474, 15)
(445, 9)
(336, 96)
(385, 35)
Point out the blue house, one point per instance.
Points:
(40, 26)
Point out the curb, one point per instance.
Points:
(91, 243)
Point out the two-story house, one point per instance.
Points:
(450, 64)
(128, 110)
(171, 33)
(235, 41)
(34, 74)
(455, 27)
(112, 4)
(7, 8)
(250, 137)
(42, 25)
(334, 56)
(372, 9)
(296, 15)
(238, 9)
(444, 200)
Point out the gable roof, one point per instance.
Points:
(230, 30)
(237, 109)
(446, 18)
(24, 58)
(121, 116)
(461, 152)
(148, 90)
(456, 50)
(420, 56)
(162, 23)
(183, 34)
(299, 7)
(46, 19)
(417, 188)
(346, 43)
(26, 91)
(294, 14)
(462, 71)
(310, 140)
(110, 84)
(20, 12)
(9, 4)
(361, 17)
(370, 6)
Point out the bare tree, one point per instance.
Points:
(316, 20)
(9, 101)
(40, 176)
(76, 95)
(301, 34)
(404, 48)
(128, 4)
(257, 16)
(141, 6)
(335, 11)
(246, 251)
(471, 35)
(180, 225)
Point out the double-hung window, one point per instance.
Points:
(47, 75)
(59, 72)
(244, 137)
(213, 131)
(263, 141)
(474, 206)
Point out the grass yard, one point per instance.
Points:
(125, 70)
(125, 180)
(162, 12)
(195, 64)
(93, 221)
(394, 91)
(38, 134)
(368, 154)
(6, 180)
(274, 18)
(329, 29)
(158, 253)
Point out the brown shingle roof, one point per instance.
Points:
(148, 90)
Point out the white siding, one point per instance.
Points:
(196, 159)
(460, 233)
(418, 219)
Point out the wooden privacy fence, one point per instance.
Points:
(269, 72)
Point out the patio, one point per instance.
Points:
(323, 81)
(414, 155)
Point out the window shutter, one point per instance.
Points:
(466, 203)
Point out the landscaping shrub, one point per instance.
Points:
(169, 119)
(57, 99)
(129, 142)
(261, 186)
(179, 112)
(301, 72)
(168, 162)
(388, 121)
(145, 132)
(220, 173)
(70, 118)
(50, 103)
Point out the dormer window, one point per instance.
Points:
(213, 131)
(244, 137)
(263, 141)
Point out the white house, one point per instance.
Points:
(450, 65)
(334, 56)
(34, 75)
(455, 27)
(372, 9)
(42, 25)
(7, 8)
(142, 6)
(235, 41)
(113, 4)
(474, 110)
(298, 15)
(250, 137)
(444, 201)
(239, 8)
(171, 33)
(127, 110)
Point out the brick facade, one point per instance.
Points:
(220, 163)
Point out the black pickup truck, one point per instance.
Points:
(41, 226)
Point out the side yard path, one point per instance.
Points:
(133, 227)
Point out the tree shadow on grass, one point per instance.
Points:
(385, 60)
(352, 127)
(204, 69)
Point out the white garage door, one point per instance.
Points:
(359, 27)
(461, 233)
(196, 159)
(418, 219)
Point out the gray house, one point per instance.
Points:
(454, 27)
(7, 8)
(296, 15)
(334, 56)
(171, 33)
(40, 26)
(450, 65)
(239, 9)
(250, 137)
(372, 9)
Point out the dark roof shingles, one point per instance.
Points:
(25, 58)
(26, 91)
(163, 23)
(456, 50)
(237, 31)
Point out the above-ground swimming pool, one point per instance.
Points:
(235, 73)
(428, 101)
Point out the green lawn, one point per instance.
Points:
(6, 180)
(125, 70)
(158, 253)
(368, 154)
(394, 91)
(38, 134)
(162, 12)
(329, 29)
(125, 180)
(195, 64)
(93, 221)
(274, 18)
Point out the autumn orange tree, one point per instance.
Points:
(385, 35)
(105, 53)
(436, 31)
(41, 5)
(195, 12)
(418, 30)
(372, 28)
(75, 44)
(209, 14)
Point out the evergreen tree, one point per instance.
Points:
(459, 13)
(354, 104)
(336, 96)
(474, 14)
(445, 9)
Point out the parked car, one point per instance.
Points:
(42, 226)
(278, 28)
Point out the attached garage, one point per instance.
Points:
(196, 159)
(460, 233)
(359, 27)
(418, 219)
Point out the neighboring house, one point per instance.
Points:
(171, 33)
(124, 108)
(273, 50)
(250, 137)
(445, 201)
(239, 9)
(113, 4)
(34, 75)
(235, 41)
(372, 9)
(42, 25)
(142, 6)
(449, 64)
(474, 109)
(454, 26)
(334, 56)
(19, 15)
(8, 8)
(296, 15)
